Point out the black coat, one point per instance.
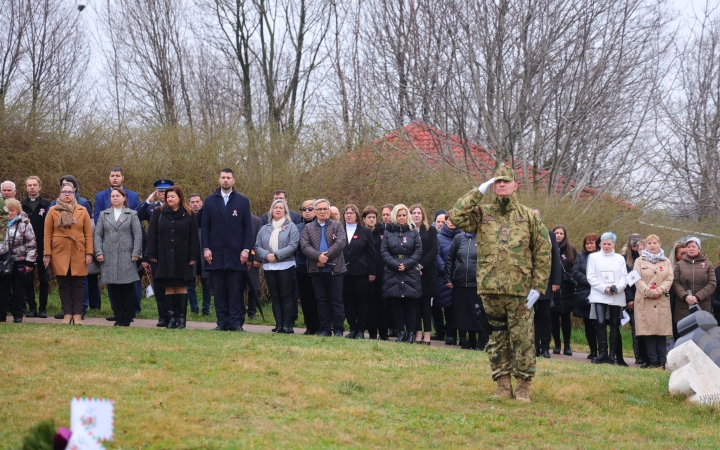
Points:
(254, 272)
(173, 240)
(564, 299)
(375, 290)
(37, 220)
(227, 230)
(581, 306)
(401, 245)
(461, 261)
(555, 270)
(428, 261)
(360, 252)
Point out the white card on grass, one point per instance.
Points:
(95, 415)
(83, 440)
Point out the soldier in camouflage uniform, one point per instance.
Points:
(3, 218)
(513, 267)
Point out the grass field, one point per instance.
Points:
(201, 389)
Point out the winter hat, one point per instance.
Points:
(695, 240)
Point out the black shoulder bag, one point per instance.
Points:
(6, 262)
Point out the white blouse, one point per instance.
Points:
(604, 270)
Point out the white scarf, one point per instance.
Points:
(276, 224)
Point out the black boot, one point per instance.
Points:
(567, 351)
(410, 337)
(181, 302)
(400, 336)
(384, 335)
(372, 335)
(618, 359)
(170, 304)
(602, 356)
(351, 334)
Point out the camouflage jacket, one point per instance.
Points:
(3, 217)
(513, 244)
(24, 246)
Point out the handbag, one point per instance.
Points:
(6, 263)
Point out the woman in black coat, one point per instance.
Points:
(174, 245)
(563, 298)
(581, 306)
(428, 274)
(402, 250)
(377, 322)
(359, 255)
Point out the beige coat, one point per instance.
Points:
(653, 317)
(67, 247)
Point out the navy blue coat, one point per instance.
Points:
(226, 230)
(102, 201)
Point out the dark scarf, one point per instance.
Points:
(175, 215)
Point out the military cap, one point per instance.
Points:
(504, 173)
(163, 183)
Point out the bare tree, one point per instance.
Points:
(13, 22)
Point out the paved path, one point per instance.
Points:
(150, 323)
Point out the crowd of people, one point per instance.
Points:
(391, 272)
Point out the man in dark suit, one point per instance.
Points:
(144, 212)
(226, 241)
(280, 194)
(36, 207)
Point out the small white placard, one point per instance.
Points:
(625, 318)
(94, 415)
(149, 291)
(632, 277)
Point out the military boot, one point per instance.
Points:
(522, 393)
(504, 388)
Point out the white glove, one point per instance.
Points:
(532, 297)
(483, 187)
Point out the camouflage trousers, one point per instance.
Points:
(512, 341)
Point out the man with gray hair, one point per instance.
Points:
(322, 241)
(8, 190)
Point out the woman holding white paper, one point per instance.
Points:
(653, 318)
(606, 273)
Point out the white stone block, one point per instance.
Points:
(694, 375)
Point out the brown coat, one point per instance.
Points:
(701, 275)
(653, 316)
(67, 247)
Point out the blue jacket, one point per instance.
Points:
(102, 201)
(445, 239)
(226, 230)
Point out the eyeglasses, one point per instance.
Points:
(322, 209)
(67, 192)
(307, 209)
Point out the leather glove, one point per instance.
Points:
(483, 187)
(532, 297)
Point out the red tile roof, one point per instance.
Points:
(435, 148)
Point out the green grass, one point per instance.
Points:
(199, 389)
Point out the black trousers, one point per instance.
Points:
(423, 315)
(229, 289)
(12, 290)
(444, 321)
(405, 313)
(123, 302)
(561, 320)
(543, 326)
(656, 349)
(308, 301)
(328, 291)
(280, 284)
(355, 288)
(41, 272)
(377, 322)
(71, 292)
(591, 334)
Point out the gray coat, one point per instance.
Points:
(287, 242)
(118, 241)
(335, 238)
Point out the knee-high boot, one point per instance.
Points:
(601, 330)
(181, 302)
(171, 310)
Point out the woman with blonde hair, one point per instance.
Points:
(428, 274)
(653, 318)
(20, 247)
(402, 250)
